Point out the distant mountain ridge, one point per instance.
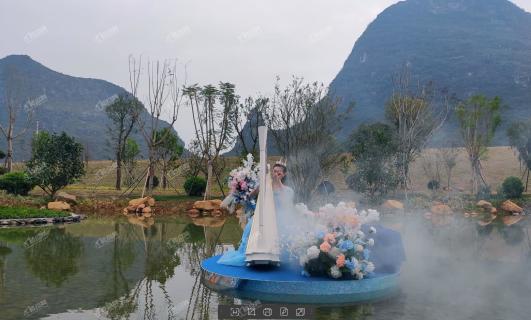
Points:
(464, 46)
(62, 103)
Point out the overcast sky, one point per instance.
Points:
(247, 42)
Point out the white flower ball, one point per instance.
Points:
(334, 252)
(303, 260)
(359, 248)
(335, 272)
(369, 267)
(359, 276)
(372, 230)
(312, 252)
(370, 242)
(360, 234)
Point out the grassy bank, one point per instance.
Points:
(26, 212)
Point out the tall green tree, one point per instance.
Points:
(211, 110)
(123, 112)
(478, 117)
(519, 134)
(169, 150)
(131, 152)
(374, 148)
(56, 161)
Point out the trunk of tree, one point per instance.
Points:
(9, 155)
(208, 189)
(527, 180)
(478, 180)
(151, 171)
(449, 178)
(164, 177)
(118, 185)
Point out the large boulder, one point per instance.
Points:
(208, 205)
(512, 207)
(58, 206)
(393, 205)
(141, 207)
(484, 204)
(66, 197)
(145, 201)
(441, 209)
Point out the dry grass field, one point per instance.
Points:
(500, 163)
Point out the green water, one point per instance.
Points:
(115, 269)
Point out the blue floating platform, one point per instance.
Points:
(287, 285)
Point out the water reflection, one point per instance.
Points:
(150, 269)
(55, 257)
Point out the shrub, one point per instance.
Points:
(195, 186)
(3, 171)
(18, 183)
(512, 187)
(373, 148)
(2, 154)
(56, 161)
(434, 185)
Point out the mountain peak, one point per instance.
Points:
(465, 46)
(61, 103)
(18, 59)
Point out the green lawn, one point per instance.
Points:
(21, 213)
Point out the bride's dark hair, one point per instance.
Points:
(284, 169)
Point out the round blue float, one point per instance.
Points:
(287, 285)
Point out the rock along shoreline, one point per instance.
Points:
(73, 218)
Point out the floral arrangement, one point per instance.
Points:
(341, 250)
(342, 214)
(242, 182)
(338, 254)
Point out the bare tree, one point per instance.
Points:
(163, 93)
(303, 120)
(479, 118)
(449, 155)
(416, 112)
(211, 109)
(17, 105)
(431, 165)
(245, 119)
(123, 112)
(519, 133)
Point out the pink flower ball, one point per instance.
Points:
(340, 261)
(330, 237)
(325, 247)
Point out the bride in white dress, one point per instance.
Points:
(266, 232)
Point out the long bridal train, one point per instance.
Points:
(263, 246)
